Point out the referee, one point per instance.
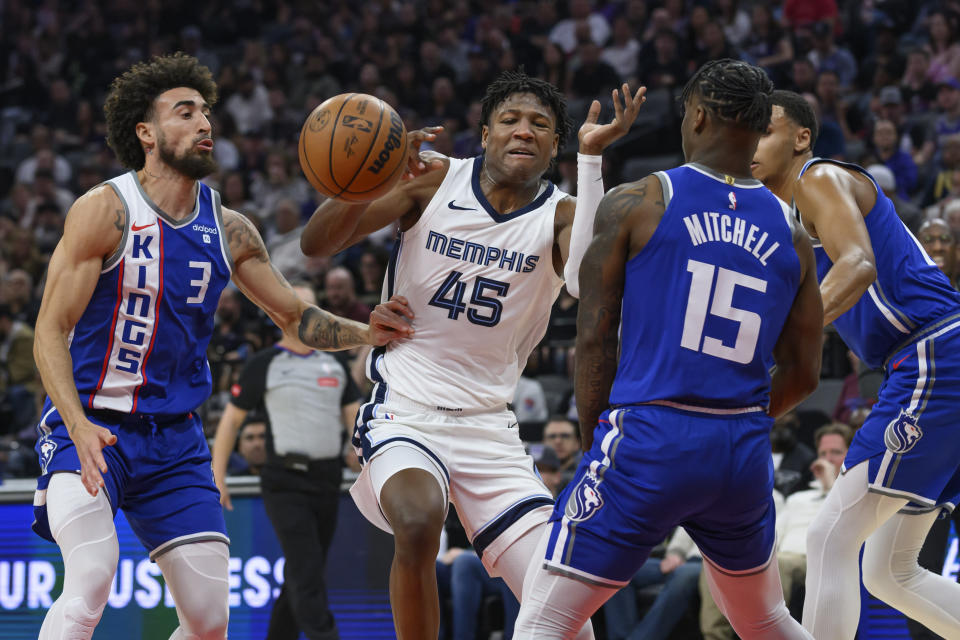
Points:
(309, 399)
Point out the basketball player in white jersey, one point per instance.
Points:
(121, 342)
(481, 257)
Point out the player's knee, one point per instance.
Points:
(205, 622)
(417, 533)
(79, 620)
(878, 577)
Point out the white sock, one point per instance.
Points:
(850, 513)
(891, 572)
(83, 527)
(197, 575)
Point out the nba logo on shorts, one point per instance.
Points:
(585, 500)
(903, 433)
(46, 453)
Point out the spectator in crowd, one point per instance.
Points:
(941, 182)
(44, 156)
(767, 44)
(251, 447)
(283, 242)
(919, 92)
(548, 466)
(827, 55)
(940, 243)
(661, 64)
(250, 105)
(563, 437)
(373, 268)
(580, 11)
(592, 76)
(623, 51)
(341, 294)
(831, 143)
(19, 380)
(734, 20)
(899, 162)
(803, 76)
(910, 213)
(948, 102)
(943, 46)
(18, 294)
(832, 441)
(679, 573)
(804, 13)
(791, 457)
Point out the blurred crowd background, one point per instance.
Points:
(883, 76)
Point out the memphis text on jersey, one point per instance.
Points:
(480, 254)
(723, 227)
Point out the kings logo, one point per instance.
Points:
(902, 433)
(585, 499)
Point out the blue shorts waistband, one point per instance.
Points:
(923, 333)
(694, 408)
(120, 417)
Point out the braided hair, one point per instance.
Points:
(511, 82)
(734, 91)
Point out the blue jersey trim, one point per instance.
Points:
(504, 217)
(392, 264)
(503, 522)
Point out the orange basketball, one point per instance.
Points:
(353, 147)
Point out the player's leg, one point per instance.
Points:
(197, 575)
(850, 513)
(83, 527)
(414, 503)
(891, 572)
(753, 602)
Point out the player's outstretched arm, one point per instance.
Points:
(335, 226)
(799, 347)
(575, 221)
(93, 231)
(598, 318)
(260, 281)
(825, 196)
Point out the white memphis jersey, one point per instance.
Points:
(140, 345)
(481, 286)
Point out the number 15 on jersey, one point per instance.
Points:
(701, 282)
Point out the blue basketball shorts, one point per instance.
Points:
(652, 468)
(911, 439)
(159, 474)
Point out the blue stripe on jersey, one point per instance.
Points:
(491, 210)
(501, 523)
(705, 301)
(910, 290)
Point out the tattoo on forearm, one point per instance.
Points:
(118, 222)
(243, 239)
(322, 330)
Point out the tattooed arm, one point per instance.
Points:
(626, 218)
(93, 231)
(260, 281)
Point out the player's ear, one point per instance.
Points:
(699, 118)
(802, 140)
(146, 135)
(556, 145)
(484, 132)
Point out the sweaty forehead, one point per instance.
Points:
(524, 102)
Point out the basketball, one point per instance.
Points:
(353, 147)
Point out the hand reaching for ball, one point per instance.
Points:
(421, 162)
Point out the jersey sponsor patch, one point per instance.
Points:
(903, 433)
(585, 500)
(328, 382)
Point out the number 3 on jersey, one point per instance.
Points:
(749, 322)
(450, 297)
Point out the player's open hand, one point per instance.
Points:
(595, 137)
(89, 440)
(390, 320)
(421, 162)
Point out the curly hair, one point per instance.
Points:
(734, 91)
(132, 95)
(511, 82)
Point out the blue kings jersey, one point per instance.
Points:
(910, 290)
(705, 300)
(140, 345)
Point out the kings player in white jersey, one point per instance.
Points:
(483, 247)
(121, 340)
